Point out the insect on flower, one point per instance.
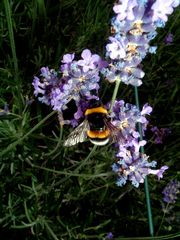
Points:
(97, 127)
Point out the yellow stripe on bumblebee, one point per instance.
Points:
(95, 110)
(98, 134)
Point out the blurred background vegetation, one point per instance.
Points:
(47, 191)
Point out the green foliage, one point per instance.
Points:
(51, 192)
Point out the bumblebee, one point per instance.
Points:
(97, 127)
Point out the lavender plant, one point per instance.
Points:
(133, 27)
(170, 196)
(160, 134)
(49, 191)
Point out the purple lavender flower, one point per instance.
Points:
(168, 39)
(116, 48)
(160, 134)
(162, 8)
(44, 86)
(75, 80)
(124, 9)
(125, 116)
(68, 58)
(159, 172)
(132, 165)
(109, 235)
(170, 191)
(133, 26)
(90, 61)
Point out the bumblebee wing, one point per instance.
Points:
(115, 132)
(78, 135)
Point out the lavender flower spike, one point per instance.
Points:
(131, 164)
(170, 191)
(133, 27)
(168, 39)
(75, 80)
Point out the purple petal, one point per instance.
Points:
(138, 72)
(117, 8)
(86, 54)
(159, 172)
(95, 58)
(68, 58)
(81, 63)
(146, 109)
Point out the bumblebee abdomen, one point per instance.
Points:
(99, 142)
(98, 134)
(99, 138)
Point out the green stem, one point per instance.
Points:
(58, 143)
(165, 211)
(11, 37)
(150, 220)
(118, 80)
(86, 176)
(17, 86)
(86, 159)
(50, 231)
